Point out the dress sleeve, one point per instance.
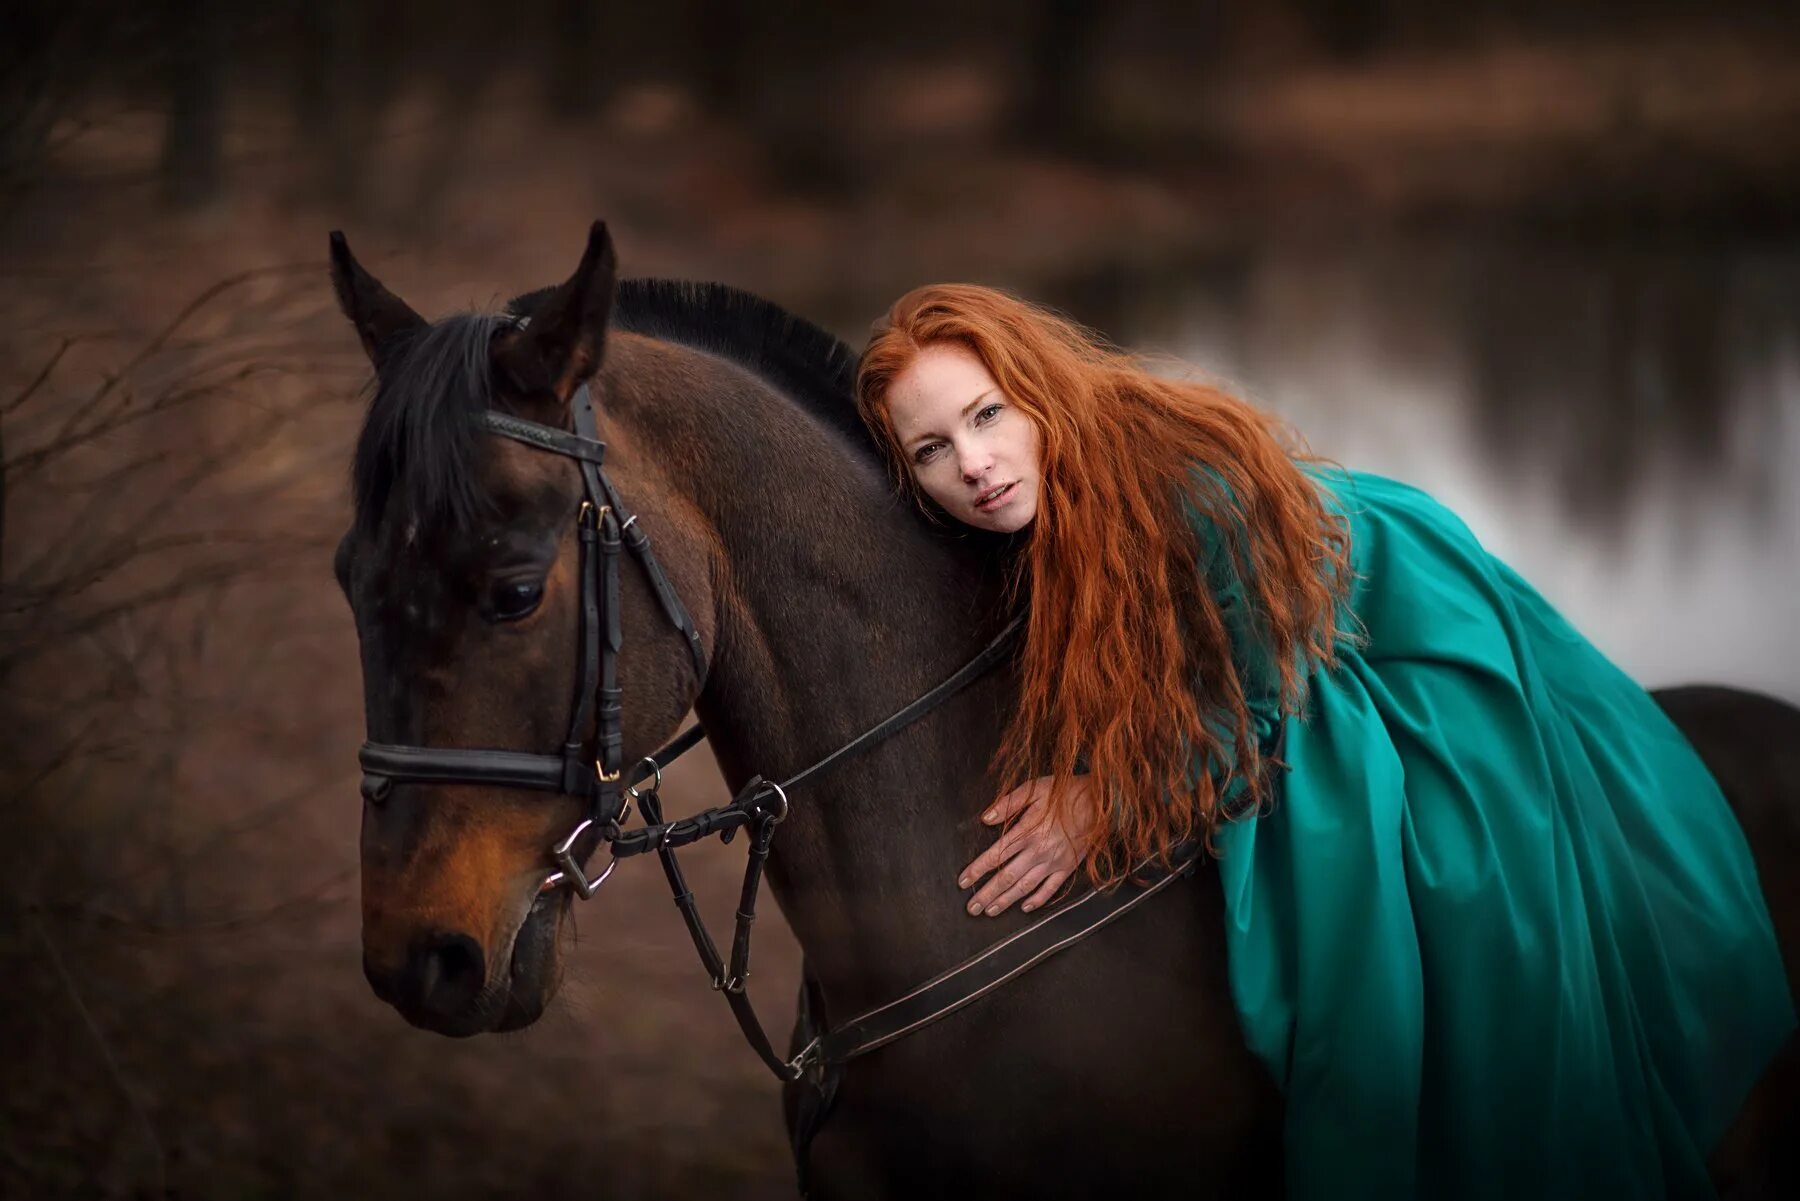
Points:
(1256, 667)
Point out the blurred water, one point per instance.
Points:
(1620, 423)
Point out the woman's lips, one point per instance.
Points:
(998, 499)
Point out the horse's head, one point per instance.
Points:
(462, 570)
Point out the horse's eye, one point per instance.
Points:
(512, 599)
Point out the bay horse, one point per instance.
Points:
(819, 603)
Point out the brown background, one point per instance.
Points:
(181, 1002)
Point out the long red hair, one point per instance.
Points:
(1127, 661)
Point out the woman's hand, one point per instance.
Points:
(1036, 854)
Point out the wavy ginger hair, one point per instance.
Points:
(1127, 659)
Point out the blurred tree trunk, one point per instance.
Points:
(795, 106)
(193, 139)
(338, 91)
(577, 82)
(465, 72)
(721, 30)
(34, 61)
(1349, 30)
(1056, 109)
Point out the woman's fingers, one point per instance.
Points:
(1025, 794)
(994, 856)
(1031, 858)
(1027, 880)
(1047, 849)
(1045, 891)
(1006, 879)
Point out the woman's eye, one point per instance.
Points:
(925, 453)
(987, 414)
(514, 599)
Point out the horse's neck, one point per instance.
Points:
(839, 607)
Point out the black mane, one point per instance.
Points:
(421, 435)
(793, 355)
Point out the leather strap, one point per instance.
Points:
(748, 809)
(582, 448)
(731, 986)
(974, 669)
(981, 974)
(638, 543)
(435, 765)
(741, 810)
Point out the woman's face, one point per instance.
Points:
(965, 443)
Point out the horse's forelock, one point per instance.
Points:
(421, 443)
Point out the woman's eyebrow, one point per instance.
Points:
(970, 407)
(963, 416)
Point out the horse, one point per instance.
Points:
(819, 602)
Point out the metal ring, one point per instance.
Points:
(655, 767)
(775, 819)
(628, 522)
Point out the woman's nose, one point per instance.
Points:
(975, 464)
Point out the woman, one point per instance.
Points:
(1491, 924)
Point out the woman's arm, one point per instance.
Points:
(1034, 856)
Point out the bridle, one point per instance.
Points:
(589, 767)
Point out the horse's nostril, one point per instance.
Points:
(448, 971)
(376, 788)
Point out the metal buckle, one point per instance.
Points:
(799, 1064)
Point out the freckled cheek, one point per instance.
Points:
(945, 487)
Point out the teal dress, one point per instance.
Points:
(1499, 935)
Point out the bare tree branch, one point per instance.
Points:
(158, 1156)
(38, 380)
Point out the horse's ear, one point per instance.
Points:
(564, 338)
(380, 317)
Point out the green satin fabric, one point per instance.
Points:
(1500, 936)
